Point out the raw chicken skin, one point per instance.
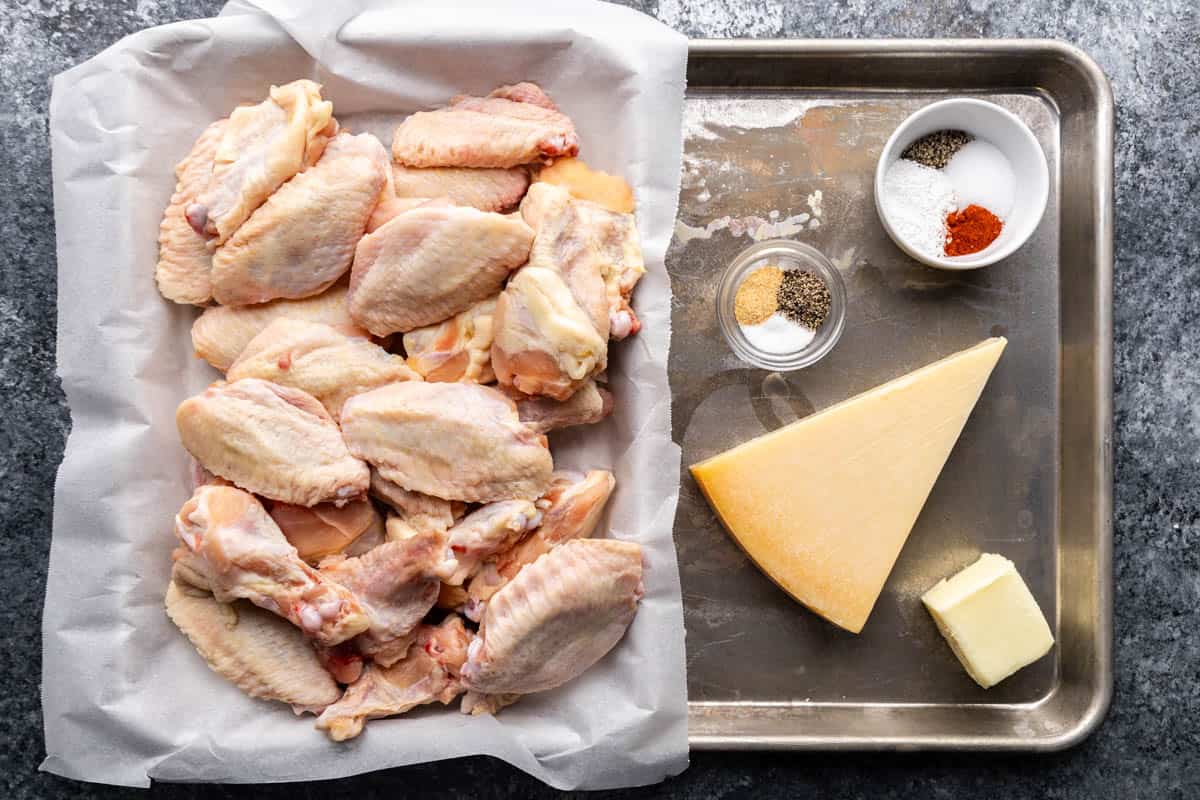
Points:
(430, 263)
(524, 92)
(564, 242)
(458, 349)
(302, 238)
(261, 147)
(272, 440)
(326, 530)
(342, 661)
(557, 617)
(221, 333)
(428, 673)
(458, 441)
(491, 529)
(390, 207)
(415, 512)
(254, 650)
(320, 360)
(396, 583)
(589, 405)
(543, 342)
(235, 550)
(485, 189)
(184, 259)
(475, 703)
(616, 237)
(571, 509)
(583, 239)
(608, 191)
(514, 125)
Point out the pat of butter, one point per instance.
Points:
(990, 619)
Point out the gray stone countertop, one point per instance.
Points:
(1149, 746)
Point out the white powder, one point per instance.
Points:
(980, 174)
(916, 200)
(778, 335)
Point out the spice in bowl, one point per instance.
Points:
(780, 311)
(970, 230)
(756, 299)
(948, 193)
(804, 298)
(937, 148)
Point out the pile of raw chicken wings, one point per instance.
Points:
(376, 521)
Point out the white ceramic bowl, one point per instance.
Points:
(1012, 137)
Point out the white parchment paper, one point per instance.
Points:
(125, 696)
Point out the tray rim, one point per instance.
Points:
(1097, 85)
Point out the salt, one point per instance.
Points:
(916, 200)
(778, 335)
(981, 175)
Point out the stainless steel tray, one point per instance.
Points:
(768, 125)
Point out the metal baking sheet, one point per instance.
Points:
(781, 141)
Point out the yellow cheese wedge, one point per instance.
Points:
(990, 619)
(824, 505)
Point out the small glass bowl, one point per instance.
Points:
(786, 255)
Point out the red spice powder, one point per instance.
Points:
(970, 230)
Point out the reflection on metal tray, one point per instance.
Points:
(781, 139)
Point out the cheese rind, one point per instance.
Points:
(990, 619)
(824, 505)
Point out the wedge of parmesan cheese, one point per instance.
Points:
(824, 505)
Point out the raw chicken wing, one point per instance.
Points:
(616, 237)
(493, 528)
(524, 92)
(584, 240)
(543, 342)
(565, 242)
(571, 509)
(396, 583)
(430, 263)
(233, 549)
(326, 529)
(320, 360)
(428, 673)
(458, 349)
(587, 406)
(221, 333)
(302, 238)
(272, 440)
(458, 441)
(261, 147)
(513, 125)
(254, 650)
(485, 189)
(184, 259)
(585, 183)
(556, 618)
(415, 512)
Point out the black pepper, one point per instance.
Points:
(804, 298)
(937, 148)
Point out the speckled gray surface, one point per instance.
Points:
(1150, 744)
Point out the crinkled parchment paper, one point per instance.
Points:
(125, 696)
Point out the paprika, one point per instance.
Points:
(970, 230)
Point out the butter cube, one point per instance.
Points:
(990, 619)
